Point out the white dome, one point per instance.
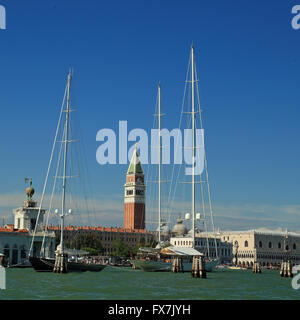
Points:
(179, 229)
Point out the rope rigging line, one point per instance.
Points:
(48, 170)
(52, 196)
(172, 193)
(150, 170)
(206, 173)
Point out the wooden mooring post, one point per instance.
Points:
(177, 265)
(198, 267)
(286, 269)
(61, 263)
(256, 267)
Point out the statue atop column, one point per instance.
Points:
(29, 192)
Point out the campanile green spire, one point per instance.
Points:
(135, 165)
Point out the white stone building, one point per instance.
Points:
(209, 244)
(268, 247)
(15, 239)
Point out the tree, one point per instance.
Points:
(139, 245)
(89, 242)
(121, 249)
(142, 241)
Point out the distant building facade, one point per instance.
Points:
(15, 239)
(208, 245)
(211, 245)
(107, 236)
(268, 247)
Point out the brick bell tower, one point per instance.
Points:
(134, 198)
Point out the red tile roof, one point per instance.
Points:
(99, 228)
(10, 228)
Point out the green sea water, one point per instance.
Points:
(126, 284)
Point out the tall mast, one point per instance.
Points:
(193, 147)
(159, 165)
(63, 204)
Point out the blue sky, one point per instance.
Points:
(248, 65)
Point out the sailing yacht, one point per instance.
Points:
(61, 263)
(182, 245)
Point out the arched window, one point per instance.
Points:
(260, 244)
(294, 246)
(270, 244)
(287, 247)
(246, 243)
(279, 245)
